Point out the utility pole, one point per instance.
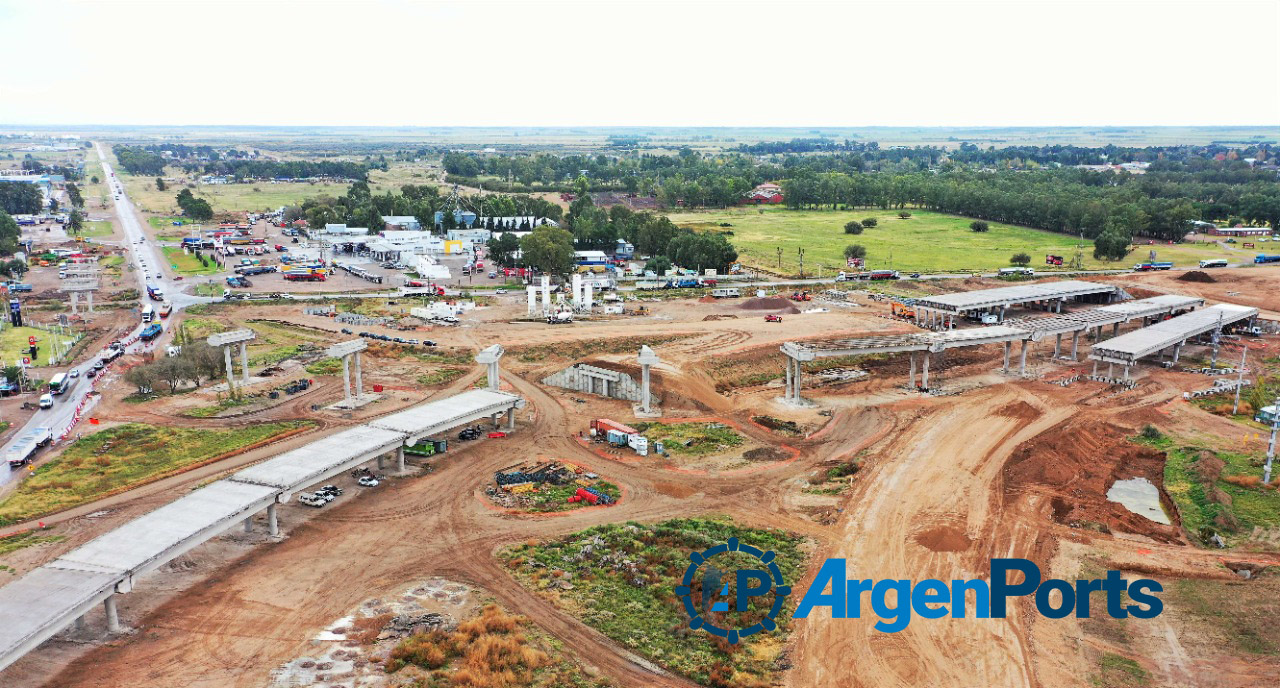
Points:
(801, 252)
(1217, 335)
(1271, 448)
(779, 260)
(1239, 381)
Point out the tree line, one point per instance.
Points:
(20, 198)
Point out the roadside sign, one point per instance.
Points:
(26, 361)
(31, 341)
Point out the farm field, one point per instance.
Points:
(123, 457)
(13, 344)
(226, 197)
(925, 242)
(97, 228)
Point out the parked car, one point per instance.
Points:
(368, 481)
(472, 433)
(346, 330)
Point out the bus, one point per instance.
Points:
(61, 383)
(148, 313)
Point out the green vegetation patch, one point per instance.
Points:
(224, 404)
(23, 540)
(440, 376)
(551, 498)
(692, 439)
(621, 579)
(96, 228)
(187, 264)
(124, 457)
(1243, 614)
(325, 366)
(1118, 671)
(927, 241)
(1216, 491)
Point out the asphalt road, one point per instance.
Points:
(146, 260)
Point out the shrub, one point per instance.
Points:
(1151, 432)
(979, 226)
(870, 222)
(853, 227)
(904, 214)
(1243, 480)
(1020, 258)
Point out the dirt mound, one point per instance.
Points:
(769, 303)
(944, 539)
(1196, 276)
(764, 454)
(720, 316)
(1020, 410)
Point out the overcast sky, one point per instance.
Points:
(693, 62)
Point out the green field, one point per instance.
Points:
(122, 457)
(100, 228)
(925, 242)
(13, 344)
(186, 264)
(225, 197)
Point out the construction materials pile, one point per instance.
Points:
(1196, 276)
(769, 303)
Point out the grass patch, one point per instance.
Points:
(96, 228)
(325, 366)
(491, 649)
(186, 264)
(692, 439)
(13, 344)
(551, 498)
(440, 376)
(207, 289)
(13, 543)
(123, 457)
(1218, 491)
(926, 242)
(1243, 614)
(589, 347)
(222, 405)
(621, 578)
(1117, 671)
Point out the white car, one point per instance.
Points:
(368, 481)
(500, 291)
(46, 401)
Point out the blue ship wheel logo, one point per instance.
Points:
(697, 621)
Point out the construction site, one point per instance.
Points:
(918, 429)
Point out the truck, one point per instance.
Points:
(725, 293)
(1260, 258)
(165, 309)
(1052, 260)
(19, 286)
(683, 283)
(150, 332)
(155, 293)
(254, 269)
(1214, 263)
(1017, 271)
(561, 318)
(303, 276)
(1149, 266)
(21, 453)
(879, 275)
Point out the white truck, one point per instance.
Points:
(726, 293)
(560, 318)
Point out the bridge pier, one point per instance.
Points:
(1008, 347)
(113, 615)
(273, 523)
(400, 458)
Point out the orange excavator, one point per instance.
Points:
(801, 296)
(902, 311)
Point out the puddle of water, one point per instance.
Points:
(1141, 497)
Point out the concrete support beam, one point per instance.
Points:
(1126, 373)
(511, 419)
(1095, 368)
(796, 398)
(244, 361)
(346, 378)
(1022, 359)
(924, 377)
(380, 458)
(359, 377)
(400, 458)
(1075, 345)
(113, 615)
(1177, 351)
(1111, 370)
(912, 356)
(273, 521)
(790, 382)
(1008, 346)
(231, 374)
(248, 525)
(80, 623)
(1115, 329)
(1057, 346)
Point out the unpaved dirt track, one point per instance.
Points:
(934, 500)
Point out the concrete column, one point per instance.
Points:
(1111, 370)
(531, 291)
(231, 376)
(1126, 373)
(790, 382)
(80, 623)
(1097, 334)
(248, 525)
(546, 294)
(400, 458)
(380, 457)
(924, 377)
(75, 301)
(273, 523)
(359, 377)
(587, 296)
(113, 616)
(797, 386)
(244, 361)
(1022, 359)
(1177, 350)
(493, 379)
(511, 418)
(1057, 346)
(644, 390)
(1115, 329)
(1008, 346)
(495, 418)
(90, 301)
(912, 356)
(1003, 310)
(1075, 343)
(346, 378)
(1095, 368)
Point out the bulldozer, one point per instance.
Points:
(902, 311)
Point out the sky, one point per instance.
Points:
(652, 63)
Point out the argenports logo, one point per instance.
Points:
(894, 602)
(748, 583)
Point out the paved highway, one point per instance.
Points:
(145, 258)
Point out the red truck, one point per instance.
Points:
(603, 425)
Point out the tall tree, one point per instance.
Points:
(549, 249)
